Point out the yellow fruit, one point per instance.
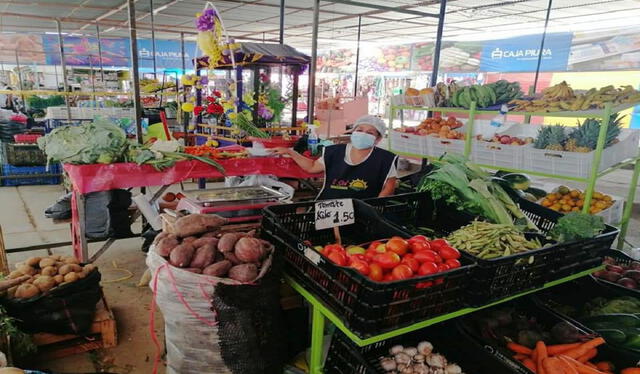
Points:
(571, 203)
(575, 209)
(597, 195)
(552, 197)
(600, 204)
(574, 193)
(555, 207)
(566, 207)
(607, 198)
(546, 203)
(580, 203)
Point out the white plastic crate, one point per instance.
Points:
(575, 164)
(504, 155)
(89, 113)
(409, 143)
(427, 100)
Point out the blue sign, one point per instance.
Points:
(521, 53)
(168, 54)
(83, 51)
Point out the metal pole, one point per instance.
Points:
(153, 38)
(135, 78)
(355, 80)
(312, 67)
(64, 68)
(184, 67)
(282, 21)
(436, 52)
(100, 54)
(19, 80)
(544, 35)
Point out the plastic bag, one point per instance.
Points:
(260, 180)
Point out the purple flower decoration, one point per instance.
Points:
(264, 112)
(204, 80)
(205, 21)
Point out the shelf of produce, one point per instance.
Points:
(322, 312)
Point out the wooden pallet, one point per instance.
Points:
(103, 334)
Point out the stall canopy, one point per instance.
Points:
(259, 54)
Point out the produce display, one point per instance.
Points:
(45, 274)
(489, 240)
(215, 153)
(148, 85)
(561, 97)
(417, 360)
(444, 92)
(582, 138)
(506, 139)
(625, 275)
(566, 200)
(197, 245)
(437, 127)
(577, 226)
(485, 95)
(395, 259)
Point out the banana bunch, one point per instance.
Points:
(444, 93)
(506, 91)
(483, 95)
(557, 99)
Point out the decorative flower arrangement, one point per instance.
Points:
(212, 109)
(209, 37)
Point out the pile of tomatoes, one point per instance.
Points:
(397, 258)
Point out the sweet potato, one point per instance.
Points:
(165, 245)
(181, 255)
(232, 257)
(203, 256)
(195, 224)
(159, 237)
(194, 270)
(249, 250)
(244, 272)
(190, 239)
(205, 240)
(219, 269)
(228, 241)
(211, 234)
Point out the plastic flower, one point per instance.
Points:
(232, 116)
(264, 78)
(187, 107)
(204, 80)
(204, 21)
(198, 109)
(217, 93)
(211, 99)
(247, 98)
(188, 80)
(264, 112)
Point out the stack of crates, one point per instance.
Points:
(23, 163)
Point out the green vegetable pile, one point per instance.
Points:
(466, 187)
(600, 305)
(577, 226)
(489, 240)
(37, 102)
(102, 142)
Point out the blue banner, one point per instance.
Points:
(521, 53)
(168, 54)
(83, 51)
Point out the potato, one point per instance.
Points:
(49, 270)
(249, 250)
(15, 274)
(205, 240)
(26, 291)
(195, 224)
(244, 272)
(30, 280)
(11, 292)
(219, 269)
(165, 245)
(55, 257)
(232, 257)
(33, 261)
(27, 270)
(88, 268)
(203, 256)
(159, 237)
(68, 268)
(81, 274)
(19, 264)
(44, 283)
(58, 278)
(228, 241)
(71, 277)
(181, 255)
(46, 262)
(58, 264)
(70, 260)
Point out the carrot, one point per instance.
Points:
(604, 366)
(541, 350)
(553, 350)
(589, 364)
(630, 371)
(520, 356)
(588, 356)
(584, 348)
(553, 365)
(518, 348)
(568, 368)
(529, 364)
(582, 368)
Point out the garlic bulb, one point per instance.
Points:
(425, 348)
(436, 360)
(388, 364)
(403, 358)
(453, 369)
(396, 349)
(411, 351)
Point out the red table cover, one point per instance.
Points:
(101, 177)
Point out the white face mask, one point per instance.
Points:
(362, 140)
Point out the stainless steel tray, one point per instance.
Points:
(246, 195)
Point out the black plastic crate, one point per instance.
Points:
(624, 259)
(24, 155)
(366, 307)
(345, 357)
(500, 277)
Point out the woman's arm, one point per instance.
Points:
(309, 165)
(389, 187)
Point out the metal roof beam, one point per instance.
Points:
(384, 8)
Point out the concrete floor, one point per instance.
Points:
(23, 223)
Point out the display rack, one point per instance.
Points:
(594, 175)
(321, 313)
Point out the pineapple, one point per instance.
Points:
(571, 145)
(542, 140)
(586, 134)
(556, 138)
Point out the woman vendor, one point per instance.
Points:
(356, 170)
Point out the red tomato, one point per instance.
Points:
(387, 260)
(374, 245)
(428, 268)
(437, 243)
(334, 247)
(418, 238)
(426, 256)
(397, 245)
(375, 272)
(438, 281)
(439, 259)
(388, 278)
(402, 271)
(424, 284)
(338, 258)
(360, 266)
(453, 263)
(411, 262)
(449, 253)
(419, 245)
(443, 267)
(358, 256)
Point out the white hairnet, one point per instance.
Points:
(373, 121)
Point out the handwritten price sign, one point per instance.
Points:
(333, 213)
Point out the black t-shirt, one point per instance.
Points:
(360, 181)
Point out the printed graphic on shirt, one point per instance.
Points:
(354, 184)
